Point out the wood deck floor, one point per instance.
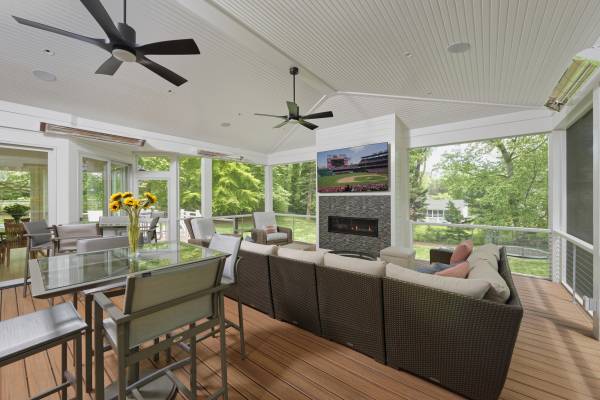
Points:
(555, 358)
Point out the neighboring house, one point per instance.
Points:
(436, 209)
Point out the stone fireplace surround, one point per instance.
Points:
(359, 206)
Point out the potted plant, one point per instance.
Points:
(17, 211)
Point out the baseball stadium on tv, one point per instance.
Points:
(354, 169)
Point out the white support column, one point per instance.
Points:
(402, 233)
(557, 184)
(206, 186)
(268, 188)
(596, 191)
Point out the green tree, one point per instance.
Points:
(453, 215)
(238, 188)
(190, 197)
(14, 185)
(504, 181)
(294, 188)
(418, 188)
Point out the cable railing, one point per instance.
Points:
(528, 248)
(577, 261)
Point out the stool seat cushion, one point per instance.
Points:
(24, 333)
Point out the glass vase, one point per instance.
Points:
(133, 233)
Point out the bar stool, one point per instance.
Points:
(33, 333)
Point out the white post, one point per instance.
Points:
(268, 188)
(206, 186)
(557, 184)
(402, 228)
(596, 215)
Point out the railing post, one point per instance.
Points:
(574, 266)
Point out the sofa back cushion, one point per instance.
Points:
(376, 268)
(475, 288)
(264, 249)
(487, 254)
(313, 257)
(461, 252)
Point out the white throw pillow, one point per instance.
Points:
(376, 268)
(265, 249)
(314, 257)
(475, 288)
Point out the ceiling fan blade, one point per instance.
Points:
(109, 67)
(307, 124)
(325, 114)
(271, 115)
(163, 72)
(281, 124)
(98, 42)
(171, 47)
(293, 108)
(101, 16)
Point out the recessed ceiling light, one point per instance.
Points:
(408, 54)
(429, 93)
(48, 52)
(44, 75)
(225, 124)
(170, 91)
(459, 47)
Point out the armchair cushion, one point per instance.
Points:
(276, 236)
(264, 219)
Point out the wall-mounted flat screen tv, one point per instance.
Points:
(354, 169)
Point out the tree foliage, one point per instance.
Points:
(503, 181)
(238, 188)
(294, 188)
(418, 187)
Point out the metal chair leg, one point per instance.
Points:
(98, 353)
(241, 325)
(223, 347)
(78, 370)
(193, 369)
(88, 343)
(27, 257)
(63, 370)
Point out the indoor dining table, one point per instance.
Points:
(72, 273)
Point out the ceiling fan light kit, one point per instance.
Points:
(294, 116)
(121, 43)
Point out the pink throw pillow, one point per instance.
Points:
(270, 229)
(461, 252)
(460, 270)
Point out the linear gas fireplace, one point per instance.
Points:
(354, 226)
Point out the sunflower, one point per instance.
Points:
(127, 195)
(129, 201)
(116, 196)
(115, 206)
(153, 199)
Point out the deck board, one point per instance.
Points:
(555, 358)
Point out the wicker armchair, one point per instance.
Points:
(259, 235)
(461, 343)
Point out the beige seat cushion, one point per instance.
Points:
(475, 288)
(314, 257)
(265, 249)
(376, 268)
(499, 290)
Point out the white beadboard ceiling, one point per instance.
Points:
(519, 49)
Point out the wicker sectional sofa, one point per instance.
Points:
(461, 343)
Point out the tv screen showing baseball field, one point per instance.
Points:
(354, 169)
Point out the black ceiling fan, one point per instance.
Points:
(122, 43)
(294, 110)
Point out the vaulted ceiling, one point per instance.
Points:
(519, 49)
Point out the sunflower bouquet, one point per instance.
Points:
(132, 206)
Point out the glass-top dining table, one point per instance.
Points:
(72, 273)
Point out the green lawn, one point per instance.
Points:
(350, 178)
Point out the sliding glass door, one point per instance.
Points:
(99, 179)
